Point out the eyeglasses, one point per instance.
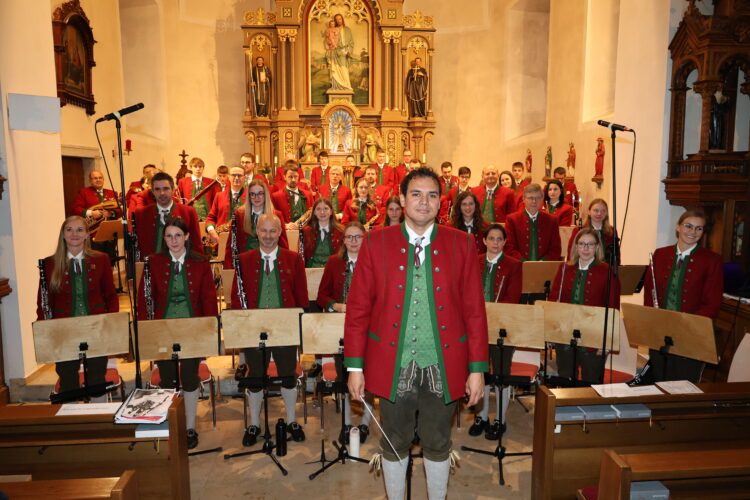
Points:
(262, 194)
(353, 237)
(690, 227)
(586, 244)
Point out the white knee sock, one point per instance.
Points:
(290, 403)
(484, 413)
(255, 401)
(394, 475)
(191, 407)
(437, 478)
(347, 410)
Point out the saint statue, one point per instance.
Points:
(339, 44)
(716, 131)
(260, 87)
(571, 162)
(599, 163)
(529, 161)
(309, 144)
(416, 89)
(548, 163)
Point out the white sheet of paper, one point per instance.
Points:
(87, 409)
(621, 390)
(679, 387)
(645, 390)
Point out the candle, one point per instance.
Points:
(128, 145)
(386, 158)
(424, 157)
(275, 160)
(257, 158)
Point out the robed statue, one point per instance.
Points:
(260, 87)
(416, 89)
(339, 45)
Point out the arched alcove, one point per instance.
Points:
(691, 134)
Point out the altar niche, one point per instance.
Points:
(344, 76)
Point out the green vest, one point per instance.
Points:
(551, 208)
(362, 213)
(533, 238)
(322, 251)
(488, 205)
(235, 204)
(251, 243)
(299, 208)
(269, 290)
(200, 205)
(178, 296)
(324, 175)
(418, 341)
(79, 290)
(334, 199)
(160, 228)
(579, 287)
(488, 279)
(673, 299)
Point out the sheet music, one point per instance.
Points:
(621, 390)
(679, 387)
(646, 390)
(87, 409)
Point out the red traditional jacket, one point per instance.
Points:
(351, 213)
(509, 273)
(145, 226)
(596, 286)
(87, 198)
(563, 213)
(453, 184)
(702, 287)
(311, 239)
(342, 195)
(186, 189)
(518, 229)
(389, 176)
(135, 188)
(219, 212)
(400, 175)
(448, 204)
(292, 279)
(200, 280)
(380, 292)
(381, 195)
(570, 191)
(478, 238)
(146, 198)
(505, 201)
(242, 237)
(316, 178)
(332, 283)
(281, 203)
(102, 297)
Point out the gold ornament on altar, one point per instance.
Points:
(417, 20)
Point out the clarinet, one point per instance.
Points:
(301, 242)
(654, 295)
(147, 293)
(134, 238)
(236, 263)
(347, 282)
(44, 290)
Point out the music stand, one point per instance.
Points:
(266, 328)
(631, 278)
(111, 230)
(516, 325)
(323, 333)
(538, 276)
(579, 326)
(81, 337)
(671, 332)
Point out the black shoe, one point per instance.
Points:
(240, 372)
(298, 435)
(192, 439)
(251, 435)
(479, 426)
(364, 431)
(493, 431)
(344, 434)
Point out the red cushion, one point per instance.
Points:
(204, 373)
(329, 371)
(590, 492)
(274, 372)
(524, 370)
(617, 377)
(111, 375)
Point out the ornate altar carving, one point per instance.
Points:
(74, 55)
(717, 47)
(339, 72)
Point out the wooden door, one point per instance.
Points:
(72, 180)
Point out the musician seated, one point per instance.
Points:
(271, 277)
(225, 204)
(555, 204)
(280, 183)
(181, 285)
(322, 234)
(584, 281)
(335, 191)
(508, 181)
(468, 218)
(139, 185)
(532, 234)
(597, 218)
(497, 202)
(569, 187)
(98, 204)
(502, 277)
(146, 197)
(362, 208)
(394, 213)
(150, 221)
(332, 293)
(77, 281)
(292, 201)
(190, 186)
(257, 203)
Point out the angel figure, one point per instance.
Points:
(371, 141)
(309, 144)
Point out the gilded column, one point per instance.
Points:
(404, 107)
(386, 72)
(293, 86)
(398, 77)
(282, 61)
(430, 53)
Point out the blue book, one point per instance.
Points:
(568, 414)
(598, 412)
(648, 490)
(632, 411)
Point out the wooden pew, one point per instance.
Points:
(35, 441)
(124, 487)
(567, 455)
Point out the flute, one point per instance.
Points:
(654, 295)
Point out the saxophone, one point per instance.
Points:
(236, 263)
(136, 244)
(654, 295)
(372, 219)
(44, 291)
(147, 291)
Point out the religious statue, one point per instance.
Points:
(309, 144)
(371, 141)
(571, 162)
(260, 87)
(717, 130)
(339, 45)
(416, 89)
(528, 161)
(548, 163)
(599, 163)
(340, 132)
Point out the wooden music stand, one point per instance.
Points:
(314, 276)
(196, 338)
(243, 327)
(631, 278)
(538, 275)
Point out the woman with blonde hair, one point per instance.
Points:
(597, 218)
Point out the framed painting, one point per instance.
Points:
(74, 55)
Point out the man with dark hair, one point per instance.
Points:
(569, 187)
(222, 175)
(150, 220)
(386, 174)
(191, 185)
(519, 178)
(448, 201)
(416, 332)
(403, 168)
(292, 201)
(319, 175)
(447, 180)
(226, 202)
(92, 196)
(380, 192)
(247, 162)
(533, 234)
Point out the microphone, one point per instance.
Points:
(124, 111)
(614, 126)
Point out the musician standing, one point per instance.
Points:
(378, 192)
(532, 234)
(448, 201)
(323, 234)
(190, 186)
(403, 168)
(319, 174)
(386, 175)
(182, 286)
(416, 332)
(362, 208)
(468, 217)
(555, 204)
(247, 162)
(447, 180)
(335, 191)
(138, 186)
(272, 277)
(85, 205)
(292, 201)
(689, 279)
(78, 283)
(225, 204)
(497, 201)
(150, 221)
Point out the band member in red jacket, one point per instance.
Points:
(273, 278)
(497, 202)
(502, 277)
(319, 174)
(584, 281)
(404, 168)
(448, 181)
(182, 286)
(533, 235)
(226, 203)
(323, 234)
(191, 185)
(468, 217)
(689, 279)
(378, 192)
(79, 283)
(362, 208)
(151, 219)
(292, 200)
(597, 218)
(416, 332)
(554, 203)
(335, 191)
(394, 213)
(139, 185)
(448, 202)
(92, 196)
(569, 187)
(247, 162)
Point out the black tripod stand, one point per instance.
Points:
(343, 452)
(500, 380)
(573, 380)
(268, 445)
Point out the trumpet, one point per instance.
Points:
(654, 295)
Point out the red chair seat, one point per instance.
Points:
(329, 371)
(204, 374)
(617, 377)
(274, 372)
(524, 370)
(111, 376)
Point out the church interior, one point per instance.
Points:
(483, 85)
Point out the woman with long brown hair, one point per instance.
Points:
(554, 203)
(394, 213)
(362, 207)
(322, 234)
(467, 217)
